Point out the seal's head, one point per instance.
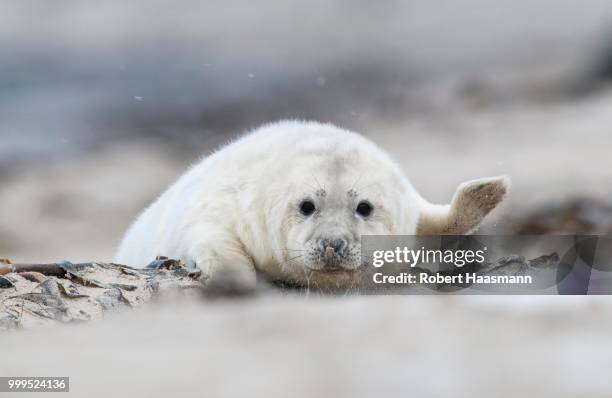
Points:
(338, 186)
(325, 227)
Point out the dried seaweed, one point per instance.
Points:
(577, 216)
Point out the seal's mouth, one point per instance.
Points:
(331, 261)
(334, 269)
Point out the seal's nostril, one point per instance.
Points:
(338, 245)
(323, 243)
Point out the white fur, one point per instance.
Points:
(238, 209)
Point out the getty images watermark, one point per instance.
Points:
(477, 264)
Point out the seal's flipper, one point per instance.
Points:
(472, 201)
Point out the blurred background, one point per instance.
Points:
(103, 104)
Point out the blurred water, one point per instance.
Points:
(76, 74)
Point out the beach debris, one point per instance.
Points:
(65, 292)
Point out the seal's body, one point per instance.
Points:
(291, 200)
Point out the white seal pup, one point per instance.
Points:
(291, 200)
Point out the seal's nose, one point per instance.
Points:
(337, 245)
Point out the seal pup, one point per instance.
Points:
(291, 200)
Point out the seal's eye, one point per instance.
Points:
(307, 207)
(364, 208)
